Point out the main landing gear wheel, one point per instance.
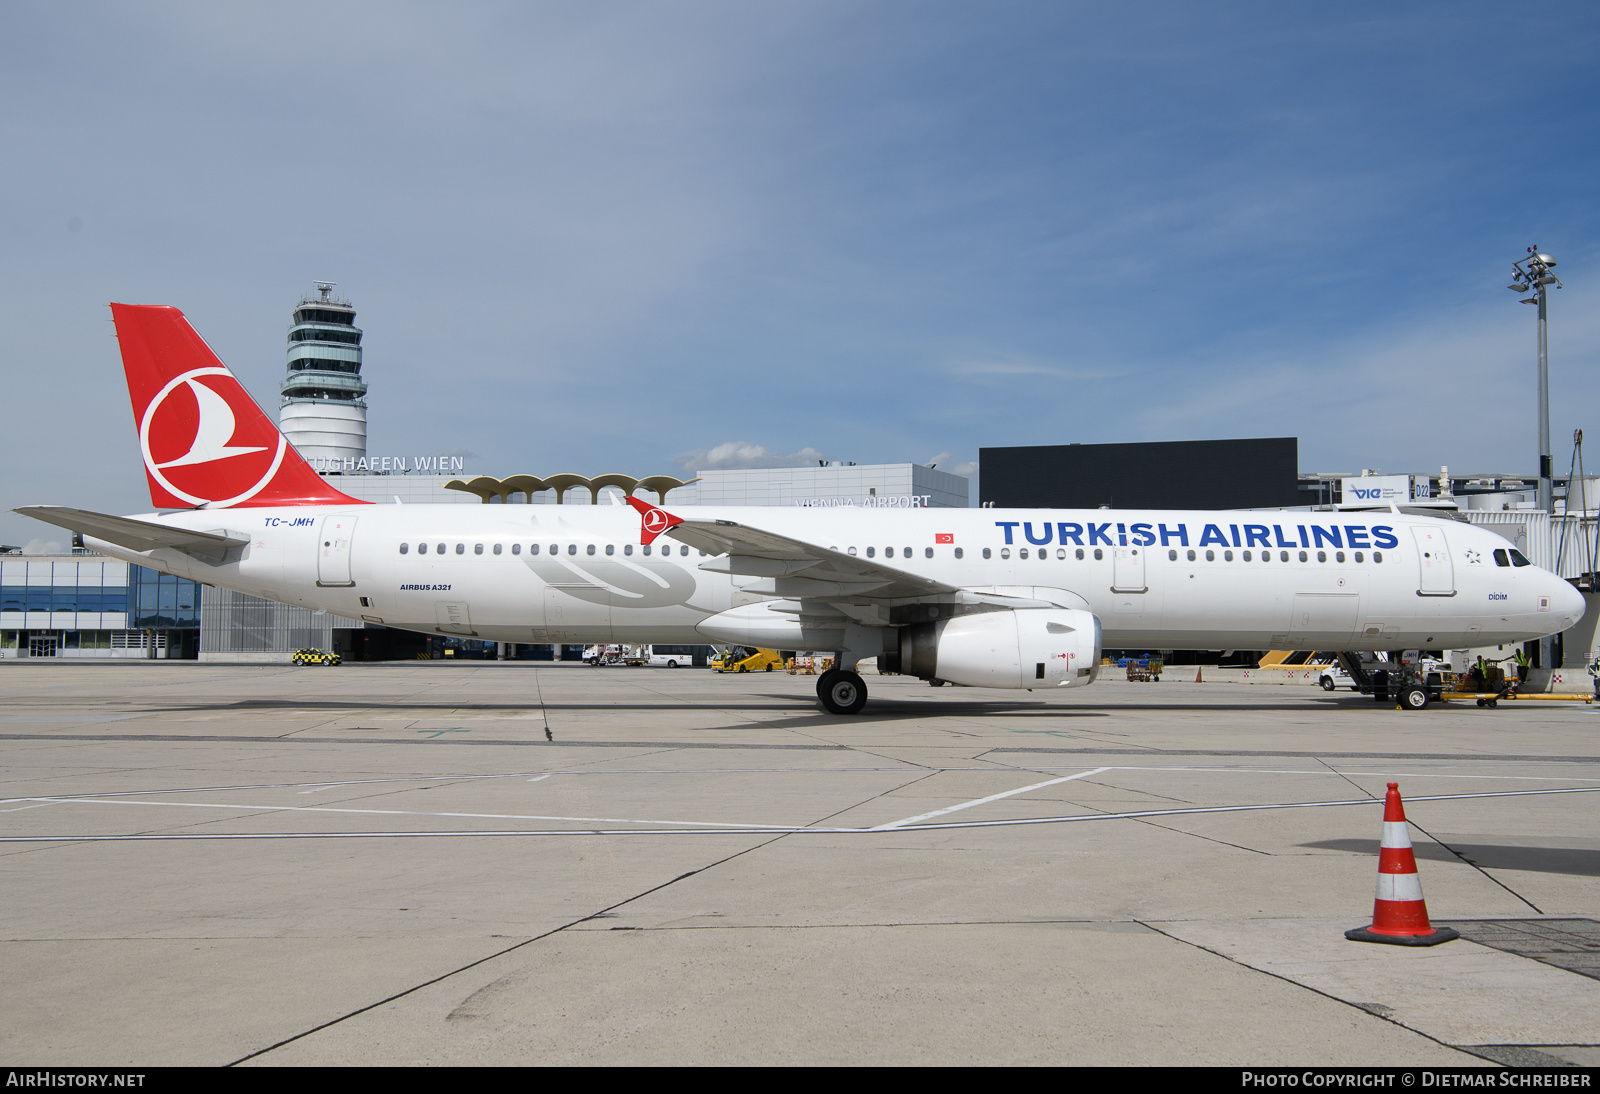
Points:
(1413, 698)
(842, 692)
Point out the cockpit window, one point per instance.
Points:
(1501, 558)
(1517, 558)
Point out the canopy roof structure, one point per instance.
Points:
(489, 488)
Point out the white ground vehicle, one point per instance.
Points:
(669, 657)
(1334, 677)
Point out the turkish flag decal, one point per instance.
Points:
(944, 537)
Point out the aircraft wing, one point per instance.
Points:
(806, 571)
(135, 535)
(795, 569)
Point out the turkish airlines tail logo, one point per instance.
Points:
(652, 520)
(205, 442)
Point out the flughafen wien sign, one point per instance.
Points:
(392, 465)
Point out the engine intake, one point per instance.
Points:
(1026, 648)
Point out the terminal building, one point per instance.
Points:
(85, 605)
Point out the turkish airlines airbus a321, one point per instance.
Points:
(995, 598)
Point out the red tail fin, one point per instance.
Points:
(203, 439)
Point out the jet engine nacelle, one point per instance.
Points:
(1025, 648)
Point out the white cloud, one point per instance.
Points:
(40, 546)
(741, 454)
(965, 470)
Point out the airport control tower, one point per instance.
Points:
(323, 413)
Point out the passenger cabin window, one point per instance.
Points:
(1283, 556)
(1191, 556)
(439, 549)
(1302, 556)
(927, 552)
(1078, 554)
(591, 548)
(477, 548)
(572, 548)
(1023, 553)
(1322, 556)
(1005, 552)
(516, 548)
(533, 548)
(1338, 556)
(1360, 557)
(1211, 556)
(461, 548)
(404, 547)
(1172, 556)
(1227, 556)
(1098, 554)
(1377, 556)
(611, 548)
(497, 548)
(958, 552)
(627, 548)
(986, 552)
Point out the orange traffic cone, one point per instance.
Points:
(1399, 914)
(1197, 671)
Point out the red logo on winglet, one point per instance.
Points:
(653, 520)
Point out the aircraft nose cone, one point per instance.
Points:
(1569, 603)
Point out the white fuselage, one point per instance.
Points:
(1156, 579)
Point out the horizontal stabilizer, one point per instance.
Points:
(135, 535)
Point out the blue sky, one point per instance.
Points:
(644, 237)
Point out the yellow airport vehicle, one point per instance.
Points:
(316, 657)
(740, 659)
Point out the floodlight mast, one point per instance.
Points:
(1533, 272)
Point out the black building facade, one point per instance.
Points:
(1258, 472)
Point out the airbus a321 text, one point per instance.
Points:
(995, 598)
